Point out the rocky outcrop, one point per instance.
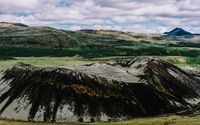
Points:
(125, 89)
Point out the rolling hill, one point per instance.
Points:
(46, 37)
(41, 37)
(16, 34)
(11, 25)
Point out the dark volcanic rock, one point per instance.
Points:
(123, 89)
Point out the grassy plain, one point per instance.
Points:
(10, 55)
(169, 120)
(44, 61)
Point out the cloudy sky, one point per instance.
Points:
(141, 16)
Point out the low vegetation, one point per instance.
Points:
(170, 120)
(184, 61)
(7, 62)
(12, 51)
(10, 55)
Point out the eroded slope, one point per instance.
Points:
(123, 89)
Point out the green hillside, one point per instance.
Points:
(40, 37)
(47, 37)
(19, 40)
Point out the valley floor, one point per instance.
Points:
(189, 64)
(169, 120)
(44, 61)
(180, 61)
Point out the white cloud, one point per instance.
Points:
(166, 13)
(143, 29)
(74, 28)
(18, 5)
(134, 28)
(99, 27)
(129, 19)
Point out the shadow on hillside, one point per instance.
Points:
(7, 52)
(3, 58)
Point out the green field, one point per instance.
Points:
(75, 61)
(171, 120)
(12, 51)
(183, 61)
(10, 55)
(44, 61)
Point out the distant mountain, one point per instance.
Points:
(11, 25)
(17, 34)
(46, 37)
(178, 32)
